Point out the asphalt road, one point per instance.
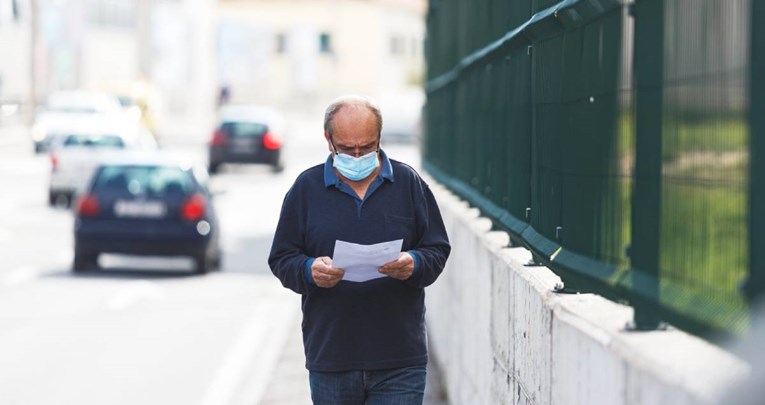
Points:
(145, 331)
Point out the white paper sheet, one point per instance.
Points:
(361, 262)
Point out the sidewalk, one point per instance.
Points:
(289, 382)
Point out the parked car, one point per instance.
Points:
(247, 134)
(68, 110)
(75, 154)
(148, 204)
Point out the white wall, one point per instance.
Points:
(109, 56)
(501, 336)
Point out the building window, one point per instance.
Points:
(113, 13)
(396, 45)
(281, 43)
(325, 43)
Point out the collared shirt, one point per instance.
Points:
(379, 323)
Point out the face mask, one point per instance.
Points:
(356, 168)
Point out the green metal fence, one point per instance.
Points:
(618, 140)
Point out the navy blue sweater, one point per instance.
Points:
(376, 324)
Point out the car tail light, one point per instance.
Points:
(87, 206)
(272, 141)
(219, 138)
(194, 208)
(53, 162)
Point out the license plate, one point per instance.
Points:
(243, 145)
(139, 209)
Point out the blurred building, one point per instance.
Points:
(304, 52)
(167, 45)
(294, 53)
(15, 48)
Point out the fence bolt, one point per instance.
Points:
(592, 99)
(558, 232)
(528, 213)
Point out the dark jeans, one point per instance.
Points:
(398, 386)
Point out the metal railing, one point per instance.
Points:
(618, 140)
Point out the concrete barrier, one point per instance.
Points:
(500, 335)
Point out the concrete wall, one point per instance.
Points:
(501, 336)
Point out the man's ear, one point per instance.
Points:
(329, 143)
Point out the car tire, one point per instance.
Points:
(84, 261)
(218, 262)
(203, 264)
(277, 167)
(213, 168)
(60, 200)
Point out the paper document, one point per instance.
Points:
(361, 262)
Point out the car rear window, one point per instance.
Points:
(156, 181)
(244, 129)
(94, 141)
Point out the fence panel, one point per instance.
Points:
(616, 151)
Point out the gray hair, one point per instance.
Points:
(343, 101)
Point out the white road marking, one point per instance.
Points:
(265, 341)
(19, 276)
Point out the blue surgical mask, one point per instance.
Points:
(356, 168)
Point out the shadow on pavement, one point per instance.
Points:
(122, 273)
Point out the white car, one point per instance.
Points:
(66, 110)
(75, 156)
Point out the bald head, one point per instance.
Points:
(360, 104)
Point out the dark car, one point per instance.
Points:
(148, 205)
(247, 134)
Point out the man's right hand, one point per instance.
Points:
(324, 275)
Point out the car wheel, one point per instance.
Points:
(277, 167)
(203, 264)
(213, 168)
(84, 261)
(218, 262)
(60, 200)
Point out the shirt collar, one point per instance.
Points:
(331, 179)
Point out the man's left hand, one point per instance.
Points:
(400, 268)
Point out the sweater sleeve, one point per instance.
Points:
(288, 258)
(432, 248)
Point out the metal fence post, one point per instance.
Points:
(646, 196)
(756, 283)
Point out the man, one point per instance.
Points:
(365, 342)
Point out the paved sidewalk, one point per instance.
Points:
(289, 381)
